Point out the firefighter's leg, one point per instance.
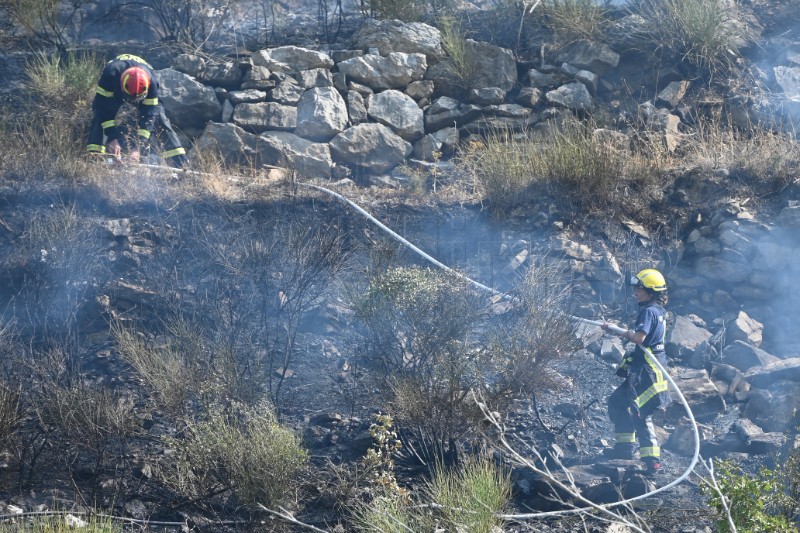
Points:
(96, 141)
(172, 151)
(646, 433)
(619, 413)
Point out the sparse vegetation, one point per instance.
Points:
(465, 498)
(703, 33)
(237, 449)
(570, 20)
(569, 166)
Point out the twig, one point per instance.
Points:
(286, 515)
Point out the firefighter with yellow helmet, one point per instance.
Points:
(129, 78)
(645, 389)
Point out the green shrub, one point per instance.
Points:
(752, 501)
(238, 449)
(416, 328)
(64, 83)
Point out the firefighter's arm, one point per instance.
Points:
(105, 108)
(148, 111)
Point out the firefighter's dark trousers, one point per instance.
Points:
(632, 423)
(166, 139)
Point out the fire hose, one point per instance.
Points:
(611, 327)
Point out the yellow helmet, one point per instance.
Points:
(650, 278)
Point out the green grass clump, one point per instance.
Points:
(471, 497)
(570, 20)
(702, 33)
(60, 524)
(467, 498)
(571, 168)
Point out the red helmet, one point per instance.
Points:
(135, 82)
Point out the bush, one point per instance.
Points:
(417, 324)
(765, 160)
(238, 449)
(752, 501)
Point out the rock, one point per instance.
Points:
(394, 71)
(571, 96)
(745, 356)
(703, 396)
(227, 75)
(371, 147)
(584, 54)
(321, 114)
(684, 337)
(237, 146)
(730, 381)
(744, 329)
(780, 370)
(399, 112)
(189, 64)
(356, 108)
(264, 116)
(673, 93)
(317, 77)
(773, 409)
(395, 36)
(494, 66)
(309, 159)
(288, 58)
(682, 438)
(188, 103)
(288, 92)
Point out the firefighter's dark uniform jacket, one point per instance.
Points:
(645, 388)
(109, 98)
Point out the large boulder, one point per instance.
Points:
(291, 58)
(493, 66)
(399, 112)
(585, 54)
(308, 159)
(370, 147)
(744, 356)
(321, 114)
(265, 116)
(188, 103)
(394, 71)
(396, 36)
(236, 146)
(684, 337)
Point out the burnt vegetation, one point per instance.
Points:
(223, 351)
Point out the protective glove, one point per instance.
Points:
(622, 372)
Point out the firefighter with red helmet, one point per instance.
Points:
(129, 78)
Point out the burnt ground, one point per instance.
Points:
(166, 218)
